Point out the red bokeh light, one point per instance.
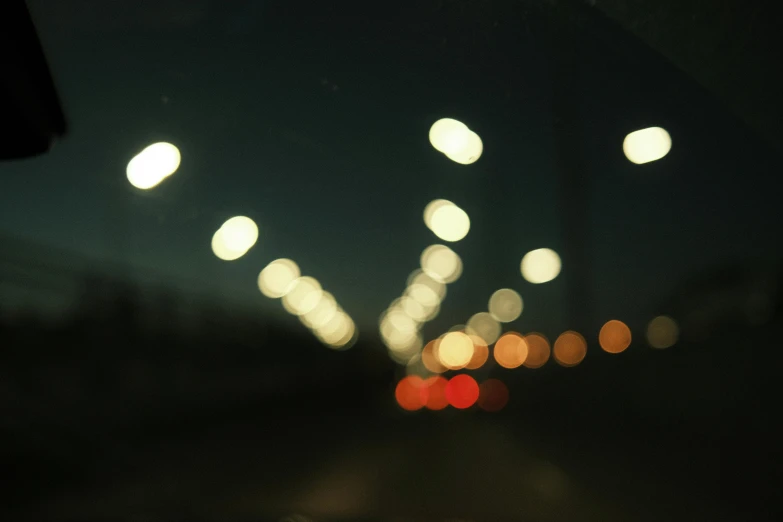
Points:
(493, 395)
(462, 391)
(411, 393)
(436, 393)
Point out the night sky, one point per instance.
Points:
(314, 123)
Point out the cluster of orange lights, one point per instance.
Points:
(461, 392)
(461, 349)
(458, 350)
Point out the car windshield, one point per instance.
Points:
(441, 260)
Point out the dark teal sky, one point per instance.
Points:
(316, 127)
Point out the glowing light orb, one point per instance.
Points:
(239, 233)
(441, 263)
(462, 391)
(493, 395)
(505, 305)
(322, 313)
(450, 223)
(646, 145)
(152, 165)
(455, 350)
(436, 393)
(454, 139)
(662, 332)
(234, 238)
(303, 297)
(431, 207)
(338, 332)
(449, 136)
(480, 353)
(220, 249)
(470, 152)
(485, 326)
(411, 394)
(276, 279)
(538, 350)
(570, 349)
(429, 358)
(425, 290)
(540, 266)
(511, 350)
(614, 337)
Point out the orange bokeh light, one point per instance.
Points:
(436, 393)
(537, 350)
(480, 353)
(570, 348)
(511, 350)
(462, 391)
(430, 359)
(493, 395)
(614, 337)
(411, 393)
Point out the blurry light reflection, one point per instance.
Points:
(436, 393)
(152, 165)
(429, 358)
(338, 332)
(662, 332)
(614, 337)
(462, 391)
(646, 145)
(441, 263)
(220, 249)
(485, 326)
(538, 350)
(493, 395)
(450, 223)
(403, 357)
(234, 238)
(511, 350)
(471, 151)
(505, 305)
(419, 278)
(448, 135)
(480, 353)
(322, 313)
(430, 209)
(277, 278)
(454, 350)
(304, 295)
(540, 266)
(411, 394)
(454, 139)
(570, 349)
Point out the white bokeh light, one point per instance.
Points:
(449, 136)
(276, 279)
(485, 326)
(441, 263)
(505, 305)
(450, 223)
(455, 350)
(470, 153)
(152, 165)
(540, 266)
(303, 297)
(222, 251)
(234, 238)
(646, 145)
(455, 140)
